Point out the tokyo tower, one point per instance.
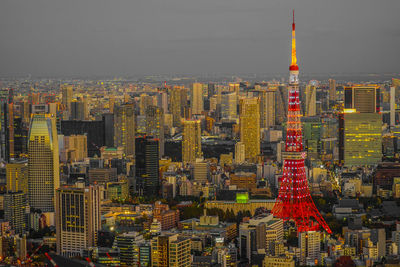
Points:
(294, 201)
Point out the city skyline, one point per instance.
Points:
(208, 170)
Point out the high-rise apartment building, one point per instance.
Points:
(147, 166)
(17, 176)
(311, 100)
(250, 127)
(43, 163)
(15, 211)
(196, 98)
(310, 245)
(155, 126)
(124, 128)
(175, 106)
(170, 251)
(239, 152)
(78, 218)
(191, 141)
(267, 108)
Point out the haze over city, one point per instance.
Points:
(92, 37)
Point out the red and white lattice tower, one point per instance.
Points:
(294, 201)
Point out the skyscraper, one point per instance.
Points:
(294, 201)
(363, 99)
(162, 101)
(229, 105)
(124, 128)
(267, 108)
(392, 106)
(15, 210)
(17, 176)
(6, 124)
(250, 127)
(43, 163)
(147, 166)
(360, 126)
(67, 94)
(155, 126)
(191, 141)
(175, 106)
(78, 218)
(360, 138)
(196, 98)
(311, 100)
(332, 90)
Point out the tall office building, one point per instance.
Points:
(6, 124)
(170, 251)
(360, 138)
(392, 106)
(124, 128)
(78, 218)
(311, 100)
(175, 106)
(77, 111)
(360, 126)
(196, 98)
(162, 101)
(250, 127)
(309, 244)
(191, 141)
(332, 90)
(147, 166)
(43, 163)
(15, 210)
(363, 99)
(239, 152)
(67, 92)
(155, 125)
(267, 108)
(17, 176)
(229, 105)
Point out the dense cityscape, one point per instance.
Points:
(212, 170)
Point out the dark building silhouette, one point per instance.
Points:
(147, 167)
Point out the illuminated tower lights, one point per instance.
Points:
(294, 201)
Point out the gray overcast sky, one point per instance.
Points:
(113, 37)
